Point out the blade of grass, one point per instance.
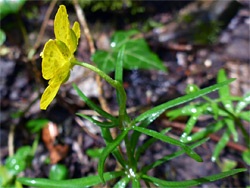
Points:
(170, 140)
(194, 182)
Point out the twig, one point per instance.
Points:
(44, 24)
(11, 140)
(182, 126)
(81, 17)
(79, 121)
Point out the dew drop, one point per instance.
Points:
(189, 138)
(193, 110)
(213, 159)
(113, 44)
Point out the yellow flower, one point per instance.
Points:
(57, 55)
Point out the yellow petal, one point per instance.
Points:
(77, 30)
(61, 75)
(48, 95)
(61, 25)
(55, 54)
(62, 29)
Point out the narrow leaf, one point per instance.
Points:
(171, 156)
(108, 139)
(170, 140)
(242, 104)
(149, 142)
(135, 136)
(214, 127)
(191, 122)
(122, 183)
(224, 91)
(245, 115)
(119, 65)
(194, 182)
(232, 129)
(221, 145)
(93, 105)
(105, 124)
(156, 111)
(110, 147)
(73, 183)
(136, 183)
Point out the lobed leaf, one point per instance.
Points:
(170, 140)
(136, 55)
(73, 183)
(194, 182)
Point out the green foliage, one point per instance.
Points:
(2, 37)
(94, 153)
(136, 54)
(9, 7)
(17, 163)
(58, 172)
(130, 171)
(190, 183)
(35, 125)
(73, 183)
(222, 109)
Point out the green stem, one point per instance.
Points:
(35, 144)
(114, 83)
(131, 160)
(238, 122)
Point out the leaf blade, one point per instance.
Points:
(170, 140)
(194, 182)
(73, 183)
(110, 147)
(161, 108)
